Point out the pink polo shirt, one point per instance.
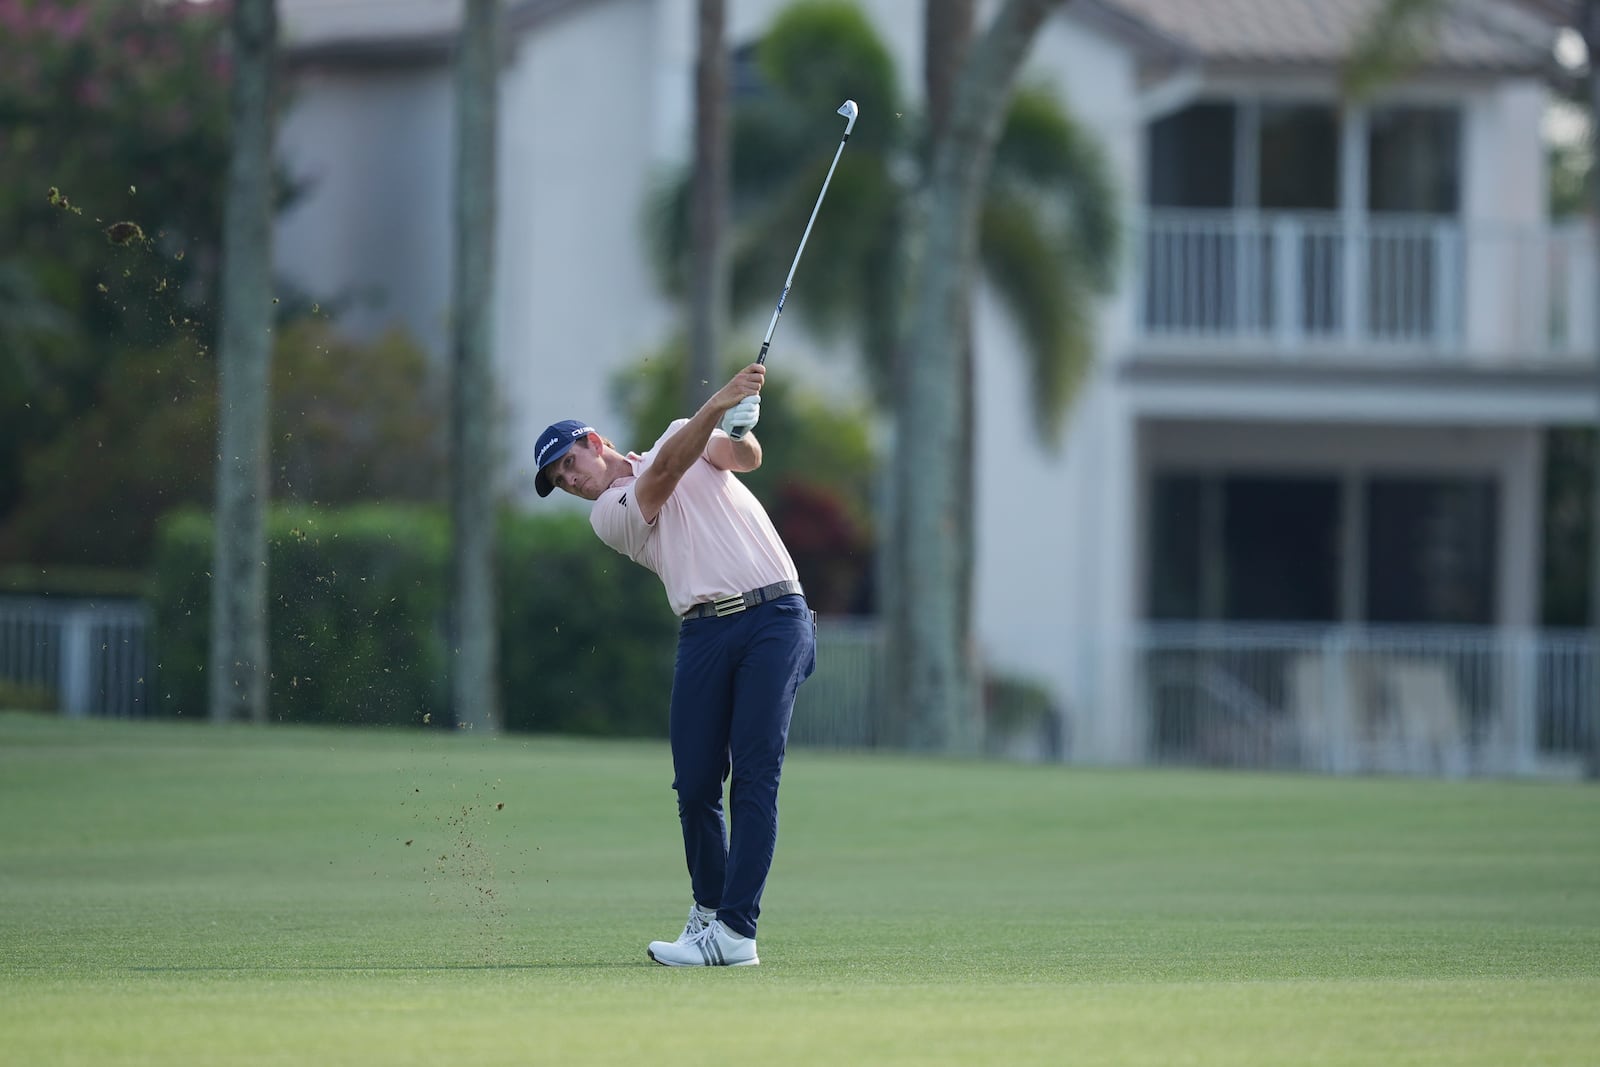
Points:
(712, 538)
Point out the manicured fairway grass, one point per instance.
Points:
(185, 894)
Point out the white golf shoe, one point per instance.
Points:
(713, 945)
(698, 918)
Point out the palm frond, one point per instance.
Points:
(1051, 302)
(1393, 42)
(817, 54)
(846, 239)
(1044, 154)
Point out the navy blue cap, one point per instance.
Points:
(556, 441)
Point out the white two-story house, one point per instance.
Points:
(1296, 519)
(1309, 474)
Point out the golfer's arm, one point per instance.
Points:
(739, 456)
(675, 456)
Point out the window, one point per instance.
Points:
(1431, 550)
(1299, 164)
(1191, 158)
(1414, 160)
(1281, 549)
(1244, 548)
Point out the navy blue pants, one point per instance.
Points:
(733, 691)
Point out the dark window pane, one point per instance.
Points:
(1431, 550)
(1569, 456)
(1299, 167)
(1175, 546)
(1415, 160)
(1191, 158)
(1281, 549)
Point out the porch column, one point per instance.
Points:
(1353, 216)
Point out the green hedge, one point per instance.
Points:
(587, 636)
(358, 601)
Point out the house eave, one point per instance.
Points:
(374, 51)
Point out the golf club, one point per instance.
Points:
(849, 111)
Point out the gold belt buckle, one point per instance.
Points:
(729, 605)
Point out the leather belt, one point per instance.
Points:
(732, 605)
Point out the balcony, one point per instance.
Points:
(1390, 288)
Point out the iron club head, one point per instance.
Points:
(849, 111)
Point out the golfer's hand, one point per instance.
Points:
(742, 417)
(746, 383)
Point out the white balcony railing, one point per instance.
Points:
(1299, 284)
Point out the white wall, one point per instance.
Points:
(1054, 525)
(1504, 208)
(373, 221)
(576, 299)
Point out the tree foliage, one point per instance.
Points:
(1048, 225)
(351, 422)
(111, 112)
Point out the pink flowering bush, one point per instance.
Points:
(122, 106)
(111, 112)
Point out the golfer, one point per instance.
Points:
(746, 642)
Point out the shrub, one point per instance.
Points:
(587, 637)
(358, 601)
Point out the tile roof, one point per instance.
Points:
(1485, 35)
(1489, 35)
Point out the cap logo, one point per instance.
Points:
(555, 439)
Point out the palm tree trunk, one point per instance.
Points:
(238, 650)
(708, 202)
(926, 643)
(947, 33)
(947, 37)
(474, 694)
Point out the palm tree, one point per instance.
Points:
(1044, 226)
(474, 698)
(238, 652)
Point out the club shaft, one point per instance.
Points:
(766, 341)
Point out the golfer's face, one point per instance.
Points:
(581, 472)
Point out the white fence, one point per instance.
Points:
(1411, 700)
(839, 705)
(87, 658)
(1294, 283)
(1447, 701)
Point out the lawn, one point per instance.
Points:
(187, 894)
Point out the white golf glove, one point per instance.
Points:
(742, 417)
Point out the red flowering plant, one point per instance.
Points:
(111, 113)
(832, 550)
